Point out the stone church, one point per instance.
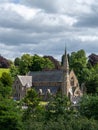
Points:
(49, 83)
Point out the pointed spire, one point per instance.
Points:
(66, 81)
(65, 61)
(65, 49)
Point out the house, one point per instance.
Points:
(49, 83)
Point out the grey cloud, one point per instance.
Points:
(17, 30)
(48, 6)
(90, 21)
(33, 25)
(51, 47)
(46, 33)
(15, 21)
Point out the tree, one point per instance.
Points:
(31, 100)
(14, 71)
(33, 116)
(92, 80)
(40, 63)
(10, 115)
(93, 59)
(92, 85)
(6, 79)
(5, 91)
(78, 62)
(89, 107)
(58, 106)
(56, 63)
(17, 61)
(5, 85)
(25, 64)
(4, 63)
(34, 63)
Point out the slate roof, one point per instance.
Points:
(25, 80)
(47, 76)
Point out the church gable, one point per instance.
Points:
(75, 84)
(20, 86)
(73, 79)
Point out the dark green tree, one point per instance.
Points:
(92, 80)
(14, 71)
(6, 79)
(92, 85)
(5, 91)
(89, 107)
(34, 63)
(32, 101)
(78, 62)
(17, 61)
(40, 63)
(58, 106)
(33, 116)
(25, 64)
(10, 115)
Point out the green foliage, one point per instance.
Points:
(2, 70)
(33, 63)
(10, 116)
(32, 102)
(14, 71)
(31, 99)
(58, 105)
(92, 85)
(6, 79)
(92, 81)
(89, 107)
(59, 116)
(40, 63)
(78, 62)
(5, 91)
(17, 61)
(5, 85)
(25, 63)
(74, 123)
(33, 116)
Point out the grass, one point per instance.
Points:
(3, 70)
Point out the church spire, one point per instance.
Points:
(65, 62)
(65, 51)
(66, 81)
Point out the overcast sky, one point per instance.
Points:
(43, 27)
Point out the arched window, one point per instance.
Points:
(48, 91)
(40, 91)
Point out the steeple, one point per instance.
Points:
(65, 62)
(65, 69)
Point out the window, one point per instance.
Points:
(40, 91)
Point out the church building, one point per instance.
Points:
(49, 83)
